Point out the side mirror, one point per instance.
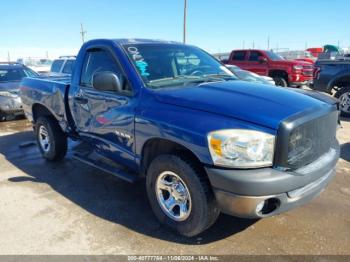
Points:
(106, 81)
(262, 59)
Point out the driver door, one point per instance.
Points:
(105, 118)
(255, 64)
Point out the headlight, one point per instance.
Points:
(298, 67)
(241, 148)
(7, 94)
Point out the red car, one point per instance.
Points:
(284, 72)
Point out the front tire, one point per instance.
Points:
(280, 81)
(51, 140)
(180, 195)
(344, 96)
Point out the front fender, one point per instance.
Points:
(183, 126)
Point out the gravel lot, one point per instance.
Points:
(71, 208)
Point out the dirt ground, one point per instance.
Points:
(71, 208)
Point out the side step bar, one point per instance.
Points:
(108, 168)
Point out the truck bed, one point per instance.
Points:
(50, 92)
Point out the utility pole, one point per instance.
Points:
(82, 32)
(185, 18)
(8, 56)
(268, 42)
(243, 45)
(253, 44)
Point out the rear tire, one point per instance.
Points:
(51, 140)
(201, 207)
(280, 81)
(344, 96)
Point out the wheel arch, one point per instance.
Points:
(41, 110)
(339, 82)
(158, 146)
(278, 72)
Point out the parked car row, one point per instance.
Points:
(204, 142)
(37, 64)
(11, 75)
(267, 63)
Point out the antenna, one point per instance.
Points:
(83, 33)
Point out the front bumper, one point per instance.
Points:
(266, 192)
(11, 105)
(303, 83)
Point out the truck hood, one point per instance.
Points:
(293, 62)
(259, 104)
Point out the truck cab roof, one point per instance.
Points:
(123, 41)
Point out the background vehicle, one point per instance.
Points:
(250, 76)
(333, 77)
(11, 75)
(222, 57)
(39, 65)
(315, 51)
(205, 142)
(64, 65)
(284, 72)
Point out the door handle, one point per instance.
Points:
(80, 100)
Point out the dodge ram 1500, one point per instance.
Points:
(204, 141)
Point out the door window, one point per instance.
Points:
(56, 66)
(239, 55)
(99, 60)
(68, 67)
(254, 56)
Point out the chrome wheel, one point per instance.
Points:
(345, 102)
(173, 196)
(44, 139)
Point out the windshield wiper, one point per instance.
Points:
(190, 79)
(223, 76)
(179, 77)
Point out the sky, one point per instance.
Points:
(41, 27)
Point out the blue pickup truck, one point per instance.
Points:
(203, 141)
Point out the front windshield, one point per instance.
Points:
(165, 65)
(273, 56)
(15, 74)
